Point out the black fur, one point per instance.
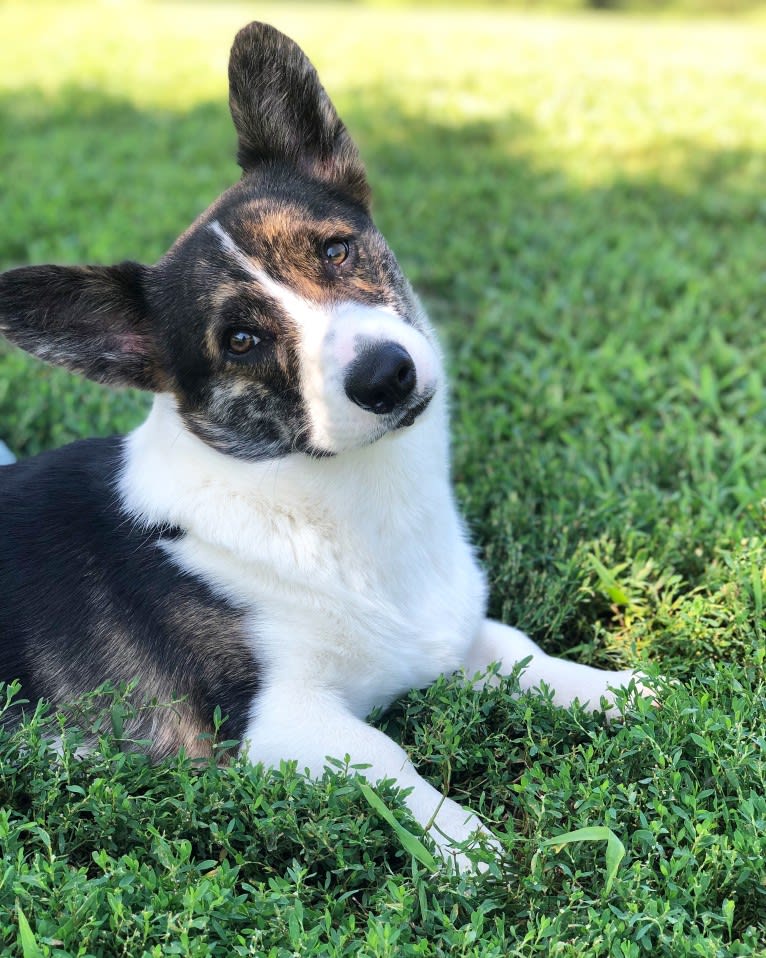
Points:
(89, 597)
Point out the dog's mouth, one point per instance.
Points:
(413, 412)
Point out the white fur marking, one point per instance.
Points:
(230, 247)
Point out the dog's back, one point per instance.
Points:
(90, 596)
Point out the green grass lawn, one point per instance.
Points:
(582, 204)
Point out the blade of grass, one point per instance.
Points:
(411, 843)
(29, 946)
(615, 850)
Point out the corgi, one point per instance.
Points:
(280, 538)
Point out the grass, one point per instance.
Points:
(580, 202)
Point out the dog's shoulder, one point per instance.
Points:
(68, 495)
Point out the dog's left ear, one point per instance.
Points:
(92, 320)
(282, 113)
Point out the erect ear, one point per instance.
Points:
(281, 112)
(91, 319)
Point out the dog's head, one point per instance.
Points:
(279, 320)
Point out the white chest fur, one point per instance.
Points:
(356, 568)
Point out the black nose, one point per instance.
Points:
(380, 378)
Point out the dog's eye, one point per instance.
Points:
(335, 251)
(241, 341)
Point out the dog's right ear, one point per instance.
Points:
(92, 320)
(282, 112)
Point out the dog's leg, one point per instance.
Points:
(498, 643)
(295, 723)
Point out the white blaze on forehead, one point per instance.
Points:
(229, 246)
(299, 309)
(330, 337)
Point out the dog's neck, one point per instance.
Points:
(170, 475)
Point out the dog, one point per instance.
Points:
(279, 539)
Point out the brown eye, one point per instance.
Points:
(335, 251)
(241, 341)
